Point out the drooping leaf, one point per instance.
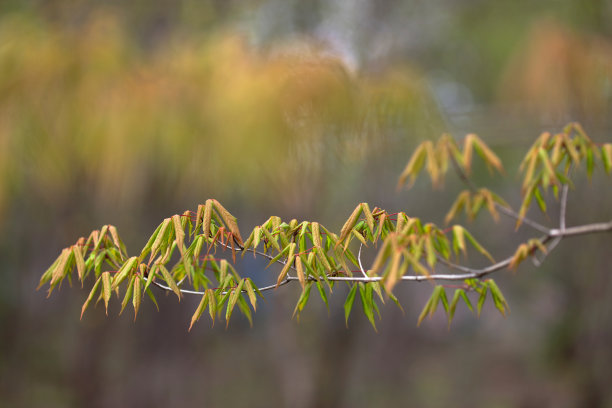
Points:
(231, 303)
(349, 224)
(128, 294)
(170, 280)
(199, 310)
(91, 295)
(303, 299)
(348, 303)
(248, 284)
(285, 270)
(367, 303)
(137, 295)
(106, 288)
(229, 220)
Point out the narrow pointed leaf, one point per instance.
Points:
(91, 296)
(348, 304)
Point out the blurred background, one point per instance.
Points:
(125, 113)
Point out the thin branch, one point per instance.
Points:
(562, 216)
(359, 259)
(468, 273)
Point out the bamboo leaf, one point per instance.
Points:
(426, 310)
(477, 246)
(128, 294)
(206, 218)
(348, 303)
(349, 224)
(91, 296)
(244, 308)
(302, 300)
(137, 295)
(323, 294)
(170, 281)
(160, 237)
(179, 233)
(248, 284)
(466, 300)
(229, 220)
(212, 305)
(287, 265)
(498, 297)
(300, 271)
(124, 272)
(367, 303)
(116, 240)
(231, 303)
(106, 289)
(414, 166)
(606, 157)
(369, 217)
(77, 251)
(481, 299)
(199, 310)
(539, 199)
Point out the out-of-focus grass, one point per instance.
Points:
(85, 105)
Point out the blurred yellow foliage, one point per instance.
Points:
(85, 105)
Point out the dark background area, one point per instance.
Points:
(126, 113)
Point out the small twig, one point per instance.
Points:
(562, 214)
(359, 259)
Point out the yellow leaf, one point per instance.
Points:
(206, 219)
(230, 221)
(199, 310)
(349, 224)
(170, 280)
(106, 288)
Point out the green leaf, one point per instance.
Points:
(128, 294)
(244, 308)
(540, 200)
(606, 157)
(466, 300)
(477, 246)
(414, 166)
(498, 297)
(91, 296)
(161, 236)
(367, 303)
(323, 294)
(150, 295)
(287, 265)
(348, 304)
(303, 299)
(124, 272)
(453, 304)
(199, 310)
(481, 299)
(234, 294)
